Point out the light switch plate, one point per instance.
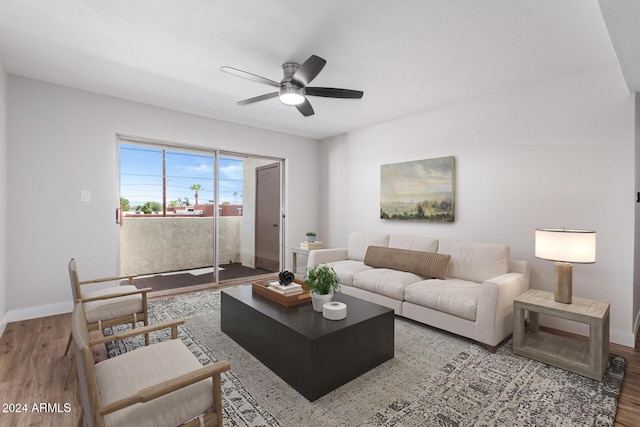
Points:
(85, 196)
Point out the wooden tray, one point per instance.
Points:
(261, 288)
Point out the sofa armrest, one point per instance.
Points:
(323, 256)
(519, 266)
(494, 315)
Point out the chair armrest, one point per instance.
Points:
(323, 256)
(166, 387)
(173, 324)
(123, 294)
(107, 279)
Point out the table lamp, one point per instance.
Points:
(565, 246)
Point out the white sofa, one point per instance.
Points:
(473, 298)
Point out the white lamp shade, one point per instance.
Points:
(566, 245)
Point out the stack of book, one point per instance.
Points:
(311, 245)
(291, 289)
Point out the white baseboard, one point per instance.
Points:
(636, 325)
(38, 311)
(3, 324)
(34, 313)
(627, 339)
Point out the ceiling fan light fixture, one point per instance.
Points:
(291, 95)
(294, 86)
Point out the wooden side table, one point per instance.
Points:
(588, 358)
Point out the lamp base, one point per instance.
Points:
(563, 273)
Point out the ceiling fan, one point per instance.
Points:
(293, 89)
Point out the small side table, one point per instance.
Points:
(295, 252)
(588, 358)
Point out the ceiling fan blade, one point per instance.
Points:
(332, 92)
(249, 76)
(258, 98)
(305, 108)
(308, 71)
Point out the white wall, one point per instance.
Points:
(62, 141)
(559, 153)
(3, 197)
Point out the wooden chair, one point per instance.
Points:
(116, 305)
(161, 384)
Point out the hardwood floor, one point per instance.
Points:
(33, 372)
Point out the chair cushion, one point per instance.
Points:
(383, 281)
(112, 308)
(359, 241)
(346, 269)
(425, 264)
(475, 261)
(456, 297)
(143, 367)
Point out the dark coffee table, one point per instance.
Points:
(312, 354)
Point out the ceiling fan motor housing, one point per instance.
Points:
(290, 94)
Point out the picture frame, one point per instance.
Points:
(420, 190)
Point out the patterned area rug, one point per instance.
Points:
(435, 379)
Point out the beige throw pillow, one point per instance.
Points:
(425, 264)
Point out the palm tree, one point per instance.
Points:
(196, 188)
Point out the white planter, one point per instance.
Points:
(311, 238)
(319, 300)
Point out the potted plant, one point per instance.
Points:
(311, 236)
(322, 281)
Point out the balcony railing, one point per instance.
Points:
(150, 245)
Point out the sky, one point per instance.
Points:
(417, 181)
(141, 176)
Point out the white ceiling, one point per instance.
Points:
(407, 56)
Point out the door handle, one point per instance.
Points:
(275, 225)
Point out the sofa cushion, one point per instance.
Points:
(456, 297)
(383, 281)
(359, 242)
(346, 269)
(414, 243)
(425, 264)
(475, 261)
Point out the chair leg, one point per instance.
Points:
(217, 399)
(73, 365)
(491, 348)
(68, 345)
(146, 336)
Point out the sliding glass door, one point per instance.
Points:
(194, 218)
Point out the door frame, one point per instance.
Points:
(216, 153)
(279, 215)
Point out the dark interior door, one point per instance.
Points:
(268, 217)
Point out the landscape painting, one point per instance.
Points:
(421, 190)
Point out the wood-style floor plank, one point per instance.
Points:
(33, 372)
